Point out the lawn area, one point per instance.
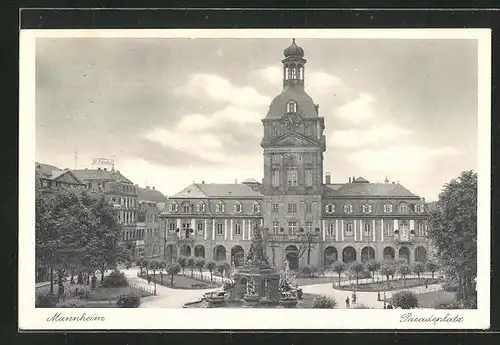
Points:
(393, 285)
(430, 299)
(183, 282)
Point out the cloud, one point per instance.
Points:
(358, 109)
(377, 134)
(322, 81)
(401, 159)
(212, 87)
(272, 74)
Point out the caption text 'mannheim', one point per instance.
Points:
(58, 317)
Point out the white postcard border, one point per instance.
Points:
(213, 318)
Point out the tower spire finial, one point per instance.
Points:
(293, 40)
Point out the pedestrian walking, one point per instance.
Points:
(347, 302)
(426, 284)
(354, 297)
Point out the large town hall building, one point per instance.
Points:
(308, 219)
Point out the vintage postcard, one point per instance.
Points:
(254, 179)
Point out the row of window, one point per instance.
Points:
(348, 228)
(139, 234)
(126, 217)
(308, 157)
(219, 228)
(292, 177)
(127, 202)
(220, 207)
(367, 208)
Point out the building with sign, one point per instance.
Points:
(123, 193)
(307, 218)
(151, 203)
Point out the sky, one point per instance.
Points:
(175, 111)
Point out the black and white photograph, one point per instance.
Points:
(211, 179)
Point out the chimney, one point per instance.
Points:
(349, 180)
(98, 168)
(105, 169)
(328, 178)
(154, 188)
(202, 182)
(353, 178)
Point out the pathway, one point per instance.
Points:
(367, 298)
(165, 297)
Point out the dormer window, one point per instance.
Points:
(219, 207)
(238, 207)
(367, 208)
(348, 208)
(200, 207)
(329, 208)
(256, 207)
(186, 208)
(275, 130)
(173, 207)
(291, 107)
(419, 208)
(403, 208)
(387, 208)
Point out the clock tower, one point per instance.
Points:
(293, 146)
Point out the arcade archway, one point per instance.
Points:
(291, 254)
(330, 256)
(199, 251)
(349, 255)
(237, 255)
(219, 253)
(389, 253)
(404, 254)
(420, 254)
(185, 250)
(367, 254)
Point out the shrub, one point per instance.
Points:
(308, 271)
(128, 301)
(46, 301)
(82, 292)
(404, 300)
(450, 287)
(324, 303)
(71, 303)
(447, 305)
(115, 279)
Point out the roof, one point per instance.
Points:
(217, 190)
(305, 104)
(46, 170)
(148, 194)
(334, 186)
(52, 172)
(369, 190)
(100, 174)
(360, 180)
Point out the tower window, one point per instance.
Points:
(237, 229)
(309, 226)
(275, 178)
(276, 208)
(292, 177)
(292, 207)
(309, 178)
(292, 227)
(276, 130)
(348, 229)
(291, 107)
(308, 207)
(367, 228)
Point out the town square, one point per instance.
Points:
(276, 202)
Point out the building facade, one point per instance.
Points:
(49, 178)
(151, 203)
(123, 194)
(307, 218)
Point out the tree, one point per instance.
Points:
(142, 264)
(373, 266)
(453, 230)
(223, 267)
(404, 300)
(147, 266)
(199, 264)
(357, 268)
(76, 232)
(418, 269)
(404, 270)
(182, 261)
(388, 268)
(432, 267)
(308, 270)
(161, 267)
(190, 263)
(210, 265)
(339, 267)
(172, 270)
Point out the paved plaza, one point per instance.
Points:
(175, 298)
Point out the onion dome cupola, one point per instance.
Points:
(293, 98)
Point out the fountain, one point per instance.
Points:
(256, 283)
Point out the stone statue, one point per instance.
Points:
(256, 255)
